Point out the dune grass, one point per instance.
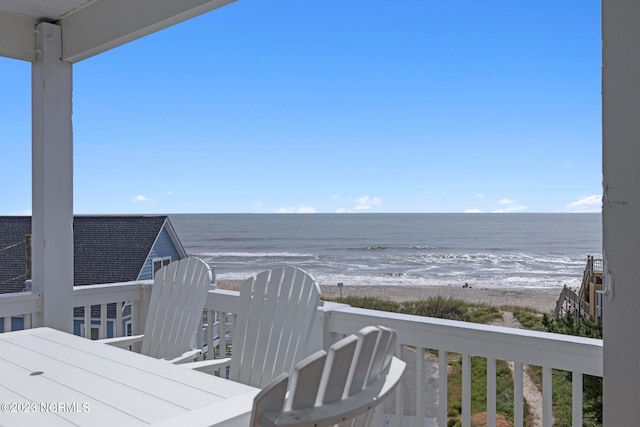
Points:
(435, 306)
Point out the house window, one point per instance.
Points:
(158, 263)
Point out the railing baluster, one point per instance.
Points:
(234, 319)
(87, 321)
(211, 317)
(466, 390)
(419, 387)
(547, 383)
(217, 325)
(27, 321)
(399, 393)
(118, 328)
(491, 392)
(223, 336)
(135, 317)
(518, 391)
(103, 321)
(443, 377)
(199, 338)
(576, 399)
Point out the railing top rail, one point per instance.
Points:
(18, 303)
(564, 352)
(109, 293)
(111, 287)
(222, 300)
(17, 296)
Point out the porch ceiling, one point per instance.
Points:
(90, 27)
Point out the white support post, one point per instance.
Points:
(621, 209)
(52, 180)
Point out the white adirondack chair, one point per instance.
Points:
(175, 312)
(274, 321)
(341, 388)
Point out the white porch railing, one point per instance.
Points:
(19, 304)
(28, 305)
(137, 294)
(581, 356)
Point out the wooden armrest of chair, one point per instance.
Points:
(123, 342)
(209, 366)
(187, 356)
(126, 343)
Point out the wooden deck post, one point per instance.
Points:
(52, 180)
(621, 209)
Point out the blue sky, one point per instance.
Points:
(351, 106)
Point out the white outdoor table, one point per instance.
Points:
(52, 378)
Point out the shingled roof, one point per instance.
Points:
(12, 253)
(107, 249)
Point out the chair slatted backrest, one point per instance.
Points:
(277, 309)
(175, 308)
(339, 388)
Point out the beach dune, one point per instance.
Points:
(541, 299)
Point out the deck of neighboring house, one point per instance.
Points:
(107, 249)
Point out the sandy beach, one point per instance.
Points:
(543, 300)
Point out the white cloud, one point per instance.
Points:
(299, 209)
(587, 204)
(371, 201)
(473, 211)
(342, 210)
(479, 196)
(335, 197)
(362, 207)
(511, 208)
(169, 193)
(365, 203)
(142, 199)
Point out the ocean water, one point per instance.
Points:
(484, 250)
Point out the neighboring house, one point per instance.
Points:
(107, 249)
